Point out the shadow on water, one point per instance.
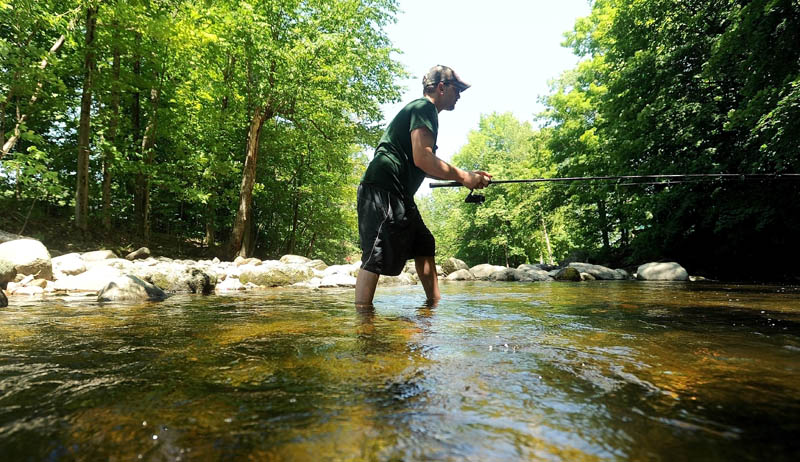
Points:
(496, 371)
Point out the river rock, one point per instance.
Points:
(666, 271)
(530, 273)
(98, 255)
(452, 264)
(567, 274)
(6, 237)
(139, 254)
(485, 270)
(7, 272)
(92, 280)
(460, 275)
(505, 274)
(294, 260)
(29, 290)
(3, 299)
(400, 279)
(28, 256)
(317, 265)
(598, 271)
(229, 285)
(351, 269)
(338, 280)
(177, 277)
(68, 265)
(130, 288)
(274, 273)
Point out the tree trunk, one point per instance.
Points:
(209, 239)
(148, 142)
(601, 210)
(547, 242)
(112, 138)
(136, 128)
(244, 212)
(9, 144)
(84, 127)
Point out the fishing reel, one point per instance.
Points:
(474, 198)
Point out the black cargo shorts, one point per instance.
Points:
(391, 231)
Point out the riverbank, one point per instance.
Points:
(27, 269)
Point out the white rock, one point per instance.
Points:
(229, 284)
(68, 265)
(294, 259)
(93, 280)
(28, 256)
(338, 280)
(98, 255)
(485, 270)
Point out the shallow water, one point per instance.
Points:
(498, 371)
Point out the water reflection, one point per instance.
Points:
(601, 371)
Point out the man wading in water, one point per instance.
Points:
(390, 227)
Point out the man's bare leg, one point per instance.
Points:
(426, 270)
(365, 287)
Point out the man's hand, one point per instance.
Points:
(476, 180)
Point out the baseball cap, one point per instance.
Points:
(441, 73)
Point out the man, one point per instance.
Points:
(389, 225)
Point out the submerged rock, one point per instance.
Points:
(667, 271)
(130, 288)
(28, 256)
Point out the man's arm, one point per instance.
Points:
(422, 145)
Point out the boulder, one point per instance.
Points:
(28, 256)
(667, 271)
(567, 274)
(139, 254)
(599, 272)
(401, 279)
(130, 288)
(317, 265)
(229, 285)
(451, 265)
(460, 275)
(6, 237)
(338, 280)
(351, 269)
(274, 273)
(68, 265)
(505, 274)
(177, 277)
(294, 260)
(530, 273)
(587, 277)
(98, 255)
(7, 273)
(485, 270)
(92, 280)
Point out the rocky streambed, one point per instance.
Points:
(28, 270)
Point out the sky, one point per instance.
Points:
(508, 50)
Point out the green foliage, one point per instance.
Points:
(322, 67)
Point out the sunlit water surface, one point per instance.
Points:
(498, 371)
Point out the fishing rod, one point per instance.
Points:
(633, 180)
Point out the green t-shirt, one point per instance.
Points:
(393, 167)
